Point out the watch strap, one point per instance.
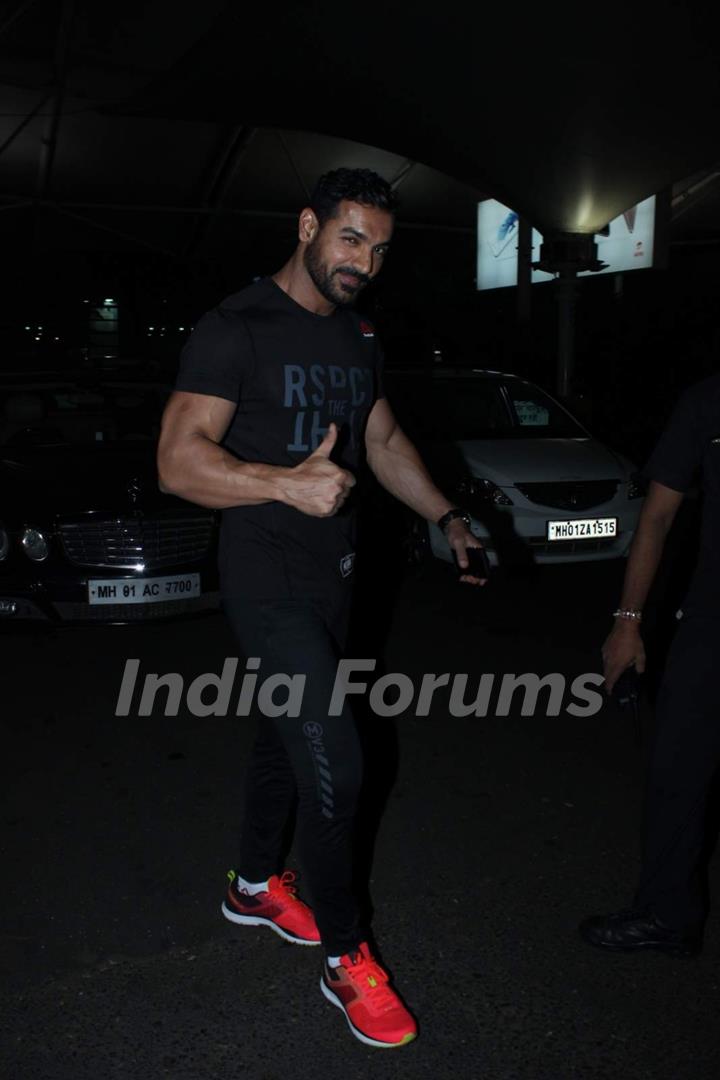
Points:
(451, 515)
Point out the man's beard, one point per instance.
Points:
(325, 281)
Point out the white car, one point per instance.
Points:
(536, 483)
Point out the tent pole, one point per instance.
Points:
(565, 291)
(24, 123)
(402, 174)
(293, 165)
(49, 141)
(524, 272)
(220, 177)
(19, 10)
(109, 229)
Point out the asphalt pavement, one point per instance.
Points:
(484, 840)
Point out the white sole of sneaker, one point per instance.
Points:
(334, 1000)
(254, 920)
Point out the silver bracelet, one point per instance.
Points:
(634, 614)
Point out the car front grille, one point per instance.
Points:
(570, 494)
(540, 546)
(134, 613)
(124, 543)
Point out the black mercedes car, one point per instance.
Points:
(85, 533)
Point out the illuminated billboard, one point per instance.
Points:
(628, 245)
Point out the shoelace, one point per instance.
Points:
(285, 885)
(373, 982)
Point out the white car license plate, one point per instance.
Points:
(582, 529)
(151, 590)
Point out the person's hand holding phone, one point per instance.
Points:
(469, 554)
(623, 648)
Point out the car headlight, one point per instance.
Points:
(4, 543)
(637, 486)
(472, 489)
(34, 545)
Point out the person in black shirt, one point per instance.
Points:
(669, 908)
(278, 397)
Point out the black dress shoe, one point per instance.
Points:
(632, 930)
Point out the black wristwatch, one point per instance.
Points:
(451, 515)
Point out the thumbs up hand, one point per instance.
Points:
(327, 446)
(317, 486)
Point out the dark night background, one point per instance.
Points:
(156, 155)
(116, 123)
(636, 347)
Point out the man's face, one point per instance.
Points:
(346, 253)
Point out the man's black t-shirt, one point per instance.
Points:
(689, 450)
(290, 373)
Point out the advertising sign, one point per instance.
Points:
(628, 244)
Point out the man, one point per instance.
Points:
(669, 906)
(279, 395)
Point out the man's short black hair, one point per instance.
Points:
(356, 185)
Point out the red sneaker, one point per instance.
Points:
(373, 1010)
(279, 908)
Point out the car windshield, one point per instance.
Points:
(70, 413)
(478, 408)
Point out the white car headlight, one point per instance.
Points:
(472, 489)
(35, 545)
(4, 543)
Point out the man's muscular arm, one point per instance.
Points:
(398, 466)
(624, 645)
(400, 469)
(193, 465)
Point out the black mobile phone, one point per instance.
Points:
(478, 563)
(626, 695)
(626, 690)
